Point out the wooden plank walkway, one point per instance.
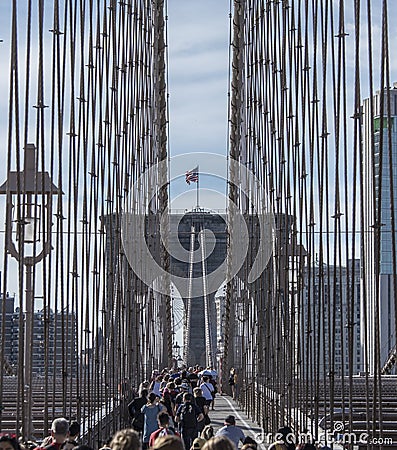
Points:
(224, 406)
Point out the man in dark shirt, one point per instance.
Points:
(134, 409)
(179, 398)
(187, 416)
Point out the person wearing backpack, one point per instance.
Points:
(208, 390)
(134, 409)
(202, 404)
(150, 412)
(188, 415)
(163, 419)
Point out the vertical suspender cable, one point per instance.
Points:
(207, 318)
(190, 295)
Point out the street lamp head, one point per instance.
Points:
(33, 191)
(29, 180)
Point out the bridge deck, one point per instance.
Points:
(225, 405)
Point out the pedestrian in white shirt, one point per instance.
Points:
(208, 390)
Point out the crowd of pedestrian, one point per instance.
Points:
(182, 400)
(170, 412)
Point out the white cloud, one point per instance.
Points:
(198, 75)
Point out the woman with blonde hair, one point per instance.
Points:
(219, 443)
(168, 443)
(127, 439)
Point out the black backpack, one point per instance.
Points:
(138, 421)
(188, 416)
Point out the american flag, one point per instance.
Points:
(192, 176)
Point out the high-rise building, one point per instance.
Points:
(379, 187)
(329, 294)
(61, 341)
(8, 324)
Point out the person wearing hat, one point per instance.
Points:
(186, 386)
(198, 443)
(230, 430)
(183, 388)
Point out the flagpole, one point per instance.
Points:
(197, 189)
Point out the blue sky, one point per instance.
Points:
(198, 70)
(198, 84)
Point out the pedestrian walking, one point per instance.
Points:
(163, 420)
(198, 443)
(150, 412)
(230, 430)
(202, 404)
(285, 440)
(233, 382)
(168, 443)
(187, 416)
(8, 442)
(71, 441)
(208, 390)
(134, 409)
(59, 434)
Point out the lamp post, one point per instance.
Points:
(32, 193)
(177, 354)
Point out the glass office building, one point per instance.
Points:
(379, 165)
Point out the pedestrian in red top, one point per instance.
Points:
(163, 419)
(59, 434)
